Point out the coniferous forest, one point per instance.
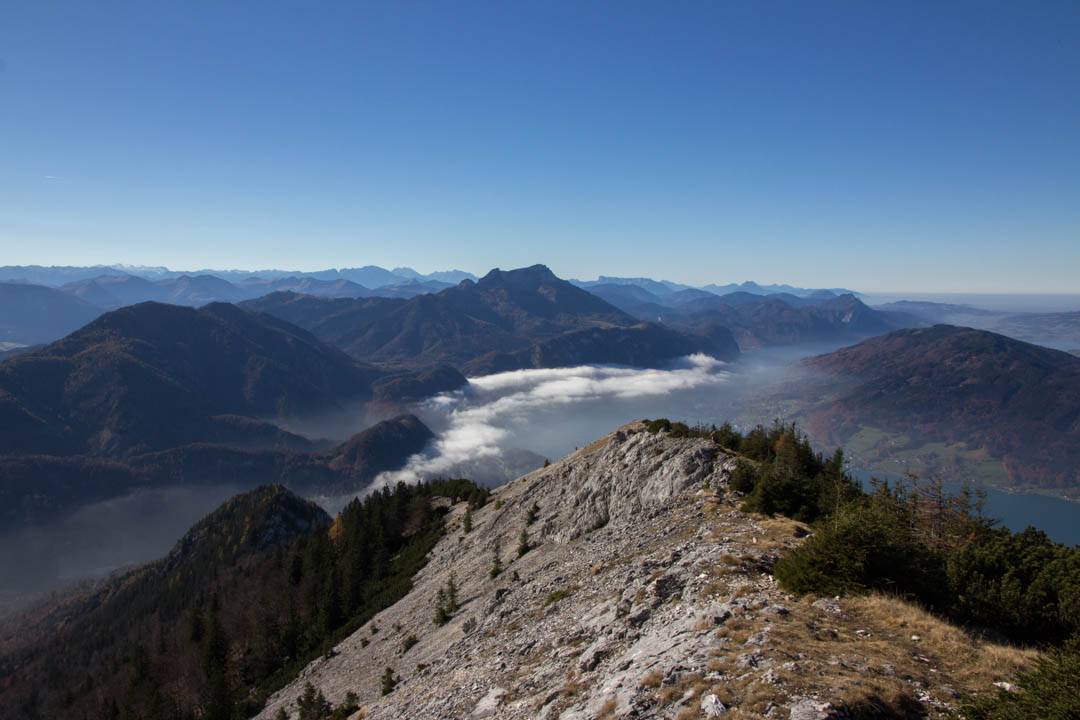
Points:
(249, 596)
(914, 540)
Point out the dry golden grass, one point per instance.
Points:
(669, 695)
(971, 663)
(715, 587)
(736, 630)
(651, 679)
(875, 669)
(731, 560)
(607, 710)
(573, 685)
(832, 654)
(779, 533)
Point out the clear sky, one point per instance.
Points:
(882, 146)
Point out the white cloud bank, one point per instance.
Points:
(480, 418)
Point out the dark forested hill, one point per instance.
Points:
(250, 594)
(1019, 403)
(153, 376)
(642, 345)
(522, 316)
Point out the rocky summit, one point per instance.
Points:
(624, 582)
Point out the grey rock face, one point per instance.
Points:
(711, 706)
(645, 595)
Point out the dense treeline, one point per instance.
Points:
(915, 540)
(211, 630)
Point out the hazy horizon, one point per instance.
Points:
(922, 146)
(878, 294)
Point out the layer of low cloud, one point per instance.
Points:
(480, 419)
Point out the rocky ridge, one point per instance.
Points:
(644, 593)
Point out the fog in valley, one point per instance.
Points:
(504, 425)
(101, 537)
(497, 428)
(493, 430)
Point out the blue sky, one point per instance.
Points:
(882, 146)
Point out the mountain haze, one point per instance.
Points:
(153, 376)
(40, 488)
(512, 318)
(32, 314)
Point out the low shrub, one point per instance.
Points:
(1051, 690)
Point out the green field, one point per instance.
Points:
(897, 453)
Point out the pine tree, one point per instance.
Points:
(466, 523)
(451, 595)
(296, 568)
(441, 615)
(292, 631)
(389, 682)
(198, 626)
(446, 602)
(534, 512)
(217, 702)
(330, 609)
(313, 704)
(523, 543)
(496, 562)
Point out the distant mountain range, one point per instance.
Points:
(39, 305)
(952, 397)
(758, 320)
(506, 320)
(156, 394)
(101, 288)
(1060, 330)
(161, 392)
(665, 287)
(369, 276)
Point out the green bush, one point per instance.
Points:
(743, 478)
(1022, 584)
(658, 425)
(795, 481)
(727, 437)
(1051, 690)
(389, 681)
(680, 430)
(866, 546)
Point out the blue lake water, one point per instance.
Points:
(551, 412)
(1058, 518)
